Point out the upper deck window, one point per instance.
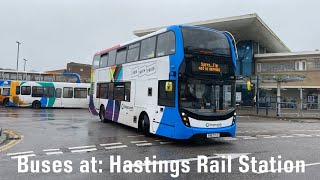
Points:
(96, 62)
(201, 41)
(148, 48)
(166, 44)
(121, 56)
(104, 60)
(112, 57)
(133, 52)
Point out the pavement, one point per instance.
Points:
(75, 135)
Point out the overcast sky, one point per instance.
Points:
(56, 32)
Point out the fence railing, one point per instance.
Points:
(294, 109)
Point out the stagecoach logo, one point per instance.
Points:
(126, 107)
(5, 82)
(213, 125)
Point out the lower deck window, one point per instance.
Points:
(118, 92)
(6, 91)
(68, 92)
(49, 92)
(25, 90)
(166, 94)
(37, 91)
(58, 92)
(80, 92)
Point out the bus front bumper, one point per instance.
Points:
(184, 132)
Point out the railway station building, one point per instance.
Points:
(261, 52)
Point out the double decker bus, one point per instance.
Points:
(178, 82)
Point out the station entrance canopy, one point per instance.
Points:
(243, 28)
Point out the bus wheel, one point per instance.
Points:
(6, 102)
(102, 114)
(145, 124)
(36, 105)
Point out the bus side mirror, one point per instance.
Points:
(248, 85)
(169, 86)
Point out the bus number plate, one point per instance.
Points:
(213, 135)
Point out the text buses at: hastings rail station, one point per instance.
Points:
(177, 82)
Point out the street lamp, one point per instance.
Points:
(24, 66)
(18, 55)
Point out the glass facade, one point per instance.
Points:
(245, 67)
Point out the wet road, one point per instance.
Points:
(76, 135)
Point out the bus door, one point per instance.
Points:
(152, 100)
(58, 101)
(126, 106)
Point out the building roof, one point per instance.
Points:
(245, 27)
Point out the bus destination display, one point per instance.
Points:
(206, 67)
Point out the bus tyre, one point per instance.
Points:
(145, 124)
(102, 114)
(6, 102)
(36, 105)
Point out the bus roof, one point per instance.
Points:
(151, 34)
(132, 41)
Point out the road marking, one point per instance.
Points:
(243, 136)
(11, 142)
(46, 150)
(111, 144)
(81, 147)
(52, 153)
(20, 156)
(144, 144)
(135, 136)
(287, 136)
(263, 135)
(19, 153)
(270, 137)
(133, 142)
(230, 139)
(83, 150)
(250, 138)
(302, 135)
(116, 147)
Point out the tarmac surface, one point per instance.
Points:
(76, 135)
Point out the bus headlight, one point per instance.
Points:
(185, 119)
(234, 120)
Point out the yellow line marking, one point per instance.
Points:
(12, 142)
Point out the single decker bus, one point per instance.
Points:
(178, 82)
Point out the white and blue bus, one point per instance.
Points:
(177, 82)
